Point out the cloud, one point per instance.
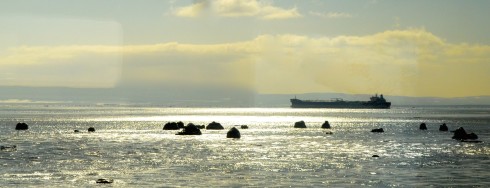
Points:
(331, 14)
(192, 10)
(411, 62)
(237, 8)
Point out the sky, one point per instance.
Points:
(438, 48)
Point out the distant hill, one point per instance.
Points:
(205, 97)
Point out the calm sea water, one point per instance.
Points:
(130, 147)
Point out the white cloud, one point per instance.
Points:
(396, 62)
(237, 8)
(191, 11)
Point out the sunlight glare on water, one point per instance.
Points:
(130, 147)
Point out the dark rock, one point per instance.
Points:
(233, 133)
(326, 125)
(423, 126)
(200, 126)
(443, 127)
(300, 124)
(104, 181)
(328, 132)
(244, 126)
(171, 126)
(190, 129)
(21, 126)
(375, 156)
(76, 131)
(380, 130)
(460, 134)
(472, 136)
(180, 124)
(8, 148)
(214, 125)
(91, 129)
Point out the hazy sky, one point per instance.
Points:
(411, 48)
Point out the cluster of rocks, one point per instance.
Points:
(173, 125)
(25, 126)
(442, 127)
(302, 124)
(459, 134)
(191, 129)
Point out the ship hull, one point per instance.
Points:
(297, 103)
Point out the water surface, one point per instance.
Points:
(130, 147)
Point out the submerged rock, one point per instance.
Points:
(244, 126)
(102, 180)
(443, 127)
(171, 126)
(233, 133)
(8, 148)
(300, 124)
(215, 125)
(77, 131)
(21, 126)
(91, 129)
(380, 130)
(329, 132)
(375, 156)
(460, 134)
(423, 126)
(190, 129)
(326, 125)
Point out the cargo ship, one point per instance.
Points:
(374, 102)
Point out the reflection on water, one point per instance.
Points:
(130, 147)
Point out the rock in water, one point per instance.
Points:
(443, 127)
(233, 133)
(423, 126)
(300, 124)
(104, 180)
(380, 130)
(326, 125)
(244, 126)
(460, 134)
(190, 129)
(171, 126)
(180, 124)
(215, 125)
(91, 129)
(21, 126)
(8, 148)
